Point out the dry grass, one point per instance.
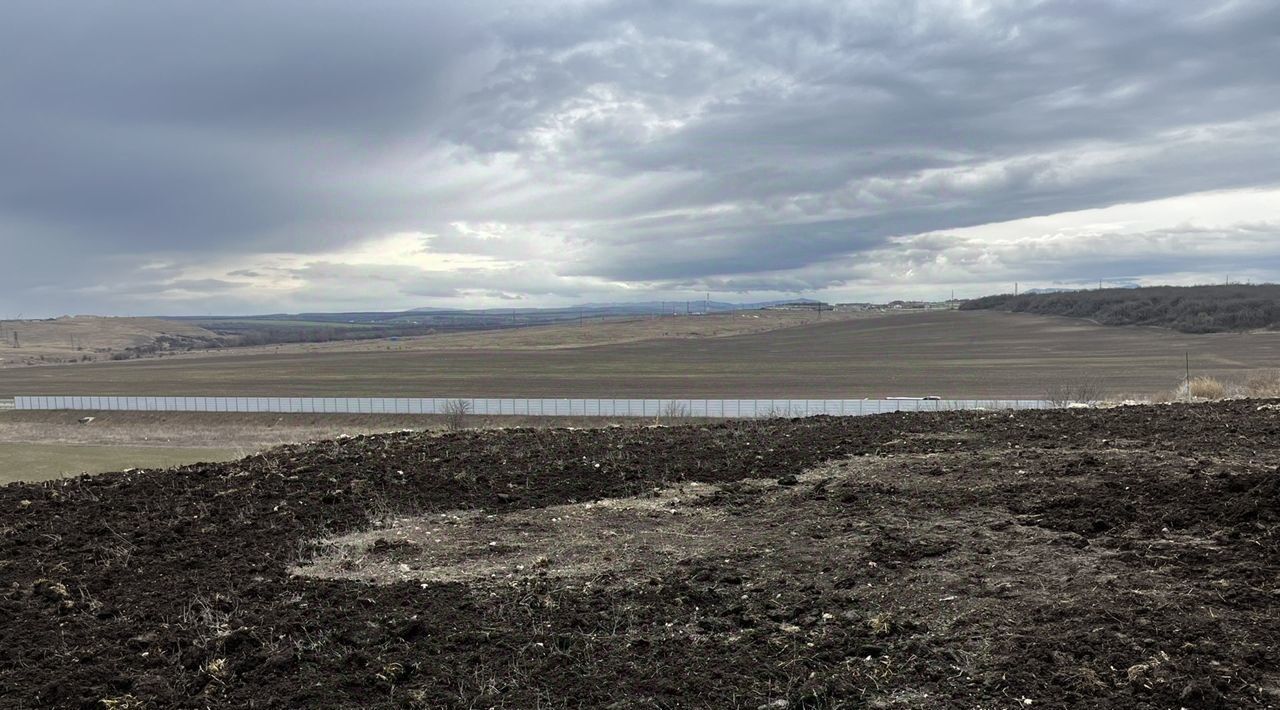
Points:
(1263, 385)
(1205, 387)
(41, 462)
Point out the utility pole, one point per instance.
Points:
(1015, 288)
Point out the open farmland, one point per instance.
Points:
(1122, 558)
(574, 334)
(953, 354)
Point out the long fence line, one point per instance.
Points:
(586, 407)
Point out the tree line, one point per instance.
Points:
(1190, 309)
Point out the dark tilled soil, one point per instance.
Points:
(1122, 558)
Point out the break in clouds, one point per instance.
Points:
(183, 157)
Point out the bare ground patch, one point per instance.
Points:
(573, 540)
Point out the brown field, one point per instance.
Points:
(952, 354)
(1123, 558)
(604, 331)
(78, 338)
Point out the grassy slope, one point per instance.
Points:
(40, 462)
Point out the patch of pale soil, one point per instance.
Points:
(575, 540)
(837, 514)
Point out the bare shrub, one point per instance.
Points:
(674, 410)
(1263, 385)
(1084, 390)
(456, 413)
(1205, 387)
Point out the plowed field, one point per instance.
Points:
(1123, 558)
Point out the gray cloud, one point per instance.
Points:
(603, 148)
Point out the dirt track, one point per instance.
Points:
(1123, 558)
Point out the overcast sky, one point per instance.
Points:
(234, 157)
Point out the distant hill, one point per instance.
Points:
(86, 338)
(1190, 309)
(278, 328)
(696, 305)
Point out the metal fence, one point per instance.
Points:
(585, 407)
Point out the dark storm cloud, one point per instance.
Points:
(605, 143)
(211, 126)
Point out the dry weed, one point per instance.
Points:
(1205, 387)
(1263, 385)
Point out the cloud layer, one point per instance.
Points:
(239, 157)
